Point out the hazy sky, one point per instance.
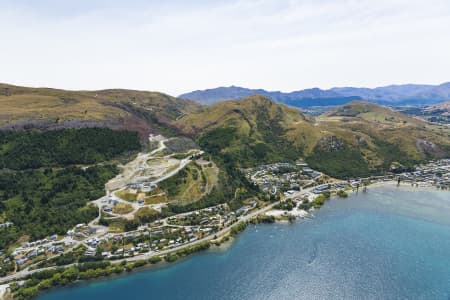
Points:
(179, 46)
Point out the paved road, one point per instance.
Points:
(221, 232)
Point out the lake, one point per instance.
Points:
(389, 243)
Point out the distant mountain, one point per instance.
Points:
(443, 108)
(438, 92)
(406, 94)
(439, 113)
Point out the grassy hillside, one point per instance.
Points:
(22, 107)
(250, 131)
(247, 132)
(383, 136)
(354, 140)
(443, 107)
(191, 183)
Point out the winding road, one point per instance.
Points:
(245, 218)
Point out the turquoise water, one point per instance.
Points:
(387, 244)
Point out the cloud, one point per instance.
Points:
(177, 46)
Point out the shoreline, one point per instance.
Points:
(222, 244)
(249, 244)
(282, 216)
(408, 185)
(223, 247)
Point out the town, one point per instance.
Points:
(296, 190)
(280, 177)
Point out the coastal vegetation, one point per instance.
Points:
(320, 200)
(238, 228)
(288, 205)
(305, 205)
(44, 280)
(263, 218)
(342, 194)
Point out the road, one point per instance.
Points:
(245, 218)
(139, 163)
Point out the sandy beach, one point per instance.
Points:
(280, 213)
(393, 183)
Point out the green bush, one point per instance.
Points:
(154, 259)
(346, 163)
(265, 219)
(238, 228)
(171, 257)
(342, 194)
(319, 201)
(288, 205)
(34, 149)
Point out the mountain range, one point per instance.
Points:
(395, 95)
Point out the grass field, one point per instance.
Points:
(191, 183)
(145, 211)
(54, 105)
(126, 195)
(116, 226)
(157, 199)
(122, 209)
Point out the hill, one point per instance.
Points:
(249, 131)
(45, 108)
(385, 137)
(42, 172)
(354, 140)
(47, 178)
(439, 113)
(303, 98)
(443, 107)
(406, 94)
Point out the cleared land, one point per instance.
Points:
(127, 195)
(191, 183)
(122, 209)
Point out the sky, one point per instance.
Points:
(181, 45)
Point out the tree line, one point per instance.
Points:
(42, 190)
(21, 150)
